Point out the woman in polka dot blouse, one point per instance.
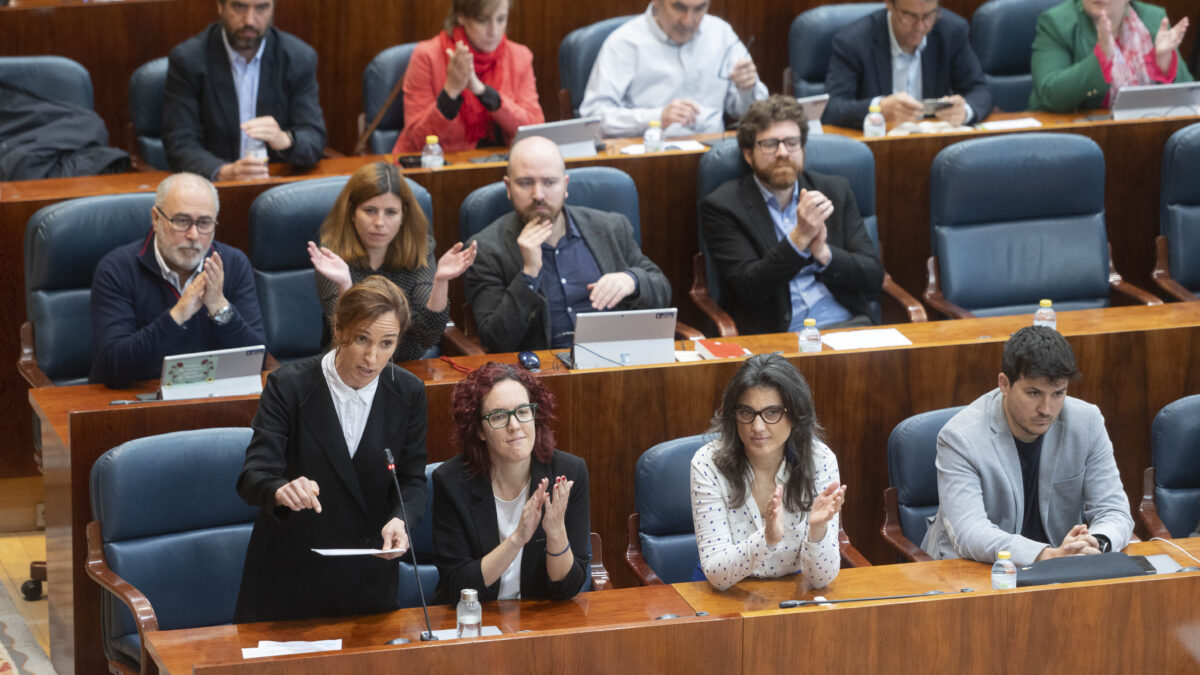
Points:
(765, 491)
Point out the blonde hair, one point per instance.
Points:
(408, 249)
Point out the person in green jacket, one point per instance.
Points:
(1086, 50)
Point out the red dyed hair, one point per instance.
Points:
(465, 410)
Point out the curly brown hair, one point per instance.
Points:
(465, 410)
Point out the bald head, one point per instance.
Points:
(536, 180)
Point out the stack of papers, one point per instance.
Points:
(640, 149)
(866, 339)
(270, 648)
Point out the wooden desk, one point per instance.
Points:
(1134, 360)
(1144, 624)
(668, 214)
(602, 632)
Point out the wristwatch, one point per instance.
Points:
(1105, 544)
(223, 316)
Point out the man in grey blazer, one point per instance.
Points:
(542, 264)
(1026, 468)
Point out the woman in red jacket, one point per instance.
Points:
(469, 85)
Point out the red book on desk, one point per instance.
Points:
(715, 349)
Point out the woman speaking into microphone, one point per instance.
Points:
(317, 472)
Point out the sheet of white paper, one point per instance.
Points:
(355, 551)
(684, 146)
(684, 357)
(452, 633)
(271, 648)
(866, 339)
(1007, 125)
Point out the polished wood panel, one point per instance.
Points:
(594, 632)
(346, 35)
(1134, 361)
(1144, 624)
(667, 209)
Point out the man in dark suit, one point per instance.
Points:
(240, 93)
(542, 264)
(788, 244)
(910, 51)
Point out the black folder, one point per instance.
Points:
(1081, 568)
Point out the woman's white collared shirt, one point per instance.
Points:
(353, 406)
(732, 541)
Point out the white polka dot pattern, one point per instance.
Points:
(731, 541)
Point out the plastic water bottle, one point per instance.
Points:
(1004, 572)
(431, 155)
(874, 126)
(652, 140)
(255, 149)
(810, 337)
(1045, 316)
(470, 614)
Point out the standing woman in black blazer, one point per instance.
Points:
(510, 512)
(317, 471)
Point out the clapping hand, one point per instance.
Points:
(1167, 40)
(455, 261)
(331, 266)
(826, 505)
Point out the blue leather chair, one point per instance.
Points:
(1171, 489)
(1018, 218)
(824, 153)
(662, 539)
(1002, 34)
(145, 112)
(63, 244)
(598, 187)
(1177, 269)
(169, 536)
(422, 546)
(52, 77)
(282, 221)
(576, 55)
(810, 42)
(382, 73)
(913, 496)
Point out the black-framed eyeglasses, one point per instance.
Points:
(769, 145)
(181, 224)
(908, 18)
(499, 419)
(770, 414)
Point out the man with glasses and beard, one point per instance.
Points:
(898, 56)
(175, 292)
(542, 264)
(788, 244)
(239, 94)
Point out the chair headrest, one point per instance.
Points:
(381, 74)
(662, 485)
(912, 449)
(577, 54)
(1175, 444)
(53, 77)
(146, 97)
(1002, 33)
(173, 482)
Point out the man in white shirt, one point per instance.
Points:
(674, 63)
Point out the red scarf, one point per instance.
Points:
(475, 118)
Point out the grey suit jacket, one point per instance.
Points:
(980, 490)
(511, 316)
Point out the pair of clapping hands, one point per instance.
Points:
(825, 506)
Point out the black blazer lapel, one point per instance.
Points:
(759, 222)
(881, 56)
(322, 422)
(483, 513)
(932, 59)
(270, 80)
(222, 96)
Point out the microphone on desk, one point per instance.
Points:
(789, 604)
(428, 635)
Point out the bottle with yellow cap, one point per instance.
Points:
(1004, 571)
(810, 337)
(431, 155)
(1044, 315)
(874, 126)
(652, 140)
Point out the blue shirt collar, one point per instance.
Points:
(769, 196)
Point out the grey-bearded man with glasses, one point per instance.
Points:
(788, 244)
(175, 292)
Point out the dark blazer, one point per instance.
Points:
(755, 265)
(200, 117)
(511, 317)
(860, 68)
(465, 529)
(297, 433)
